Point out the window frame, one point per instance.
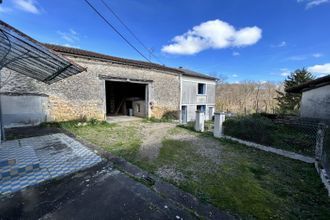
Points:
(204, 88)
(201, 108)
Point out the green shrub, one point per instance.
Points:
(254, 128)
(158, 120)
(170, 115)
(262, 130)
(266, 115)
(152, 119)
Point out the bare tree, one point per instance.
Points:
(246, 97)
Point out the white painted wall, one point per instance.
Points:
(191, 98)
(315, 103)
(24, 110)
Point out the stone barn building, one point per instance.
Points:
(108, 87)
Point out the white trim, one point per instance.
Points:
(199, 80)
(147, 98)
(202, 81)
(209, 104)
(104, 94)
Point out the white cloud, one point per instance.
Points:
(317, 55)
(313, 3)
(297, 58)
(70, 36)
(320, 70)
(235, 53)
(285, 72)
(234, 75)
(4, 9)
(70, 45)
(27, 5)
(281, 44)
(215, 34)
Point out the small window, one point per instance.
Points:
(201, 108)
(201, 88)
(138, 108)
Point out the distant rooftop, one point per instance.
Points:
(138, 63)
(319, 82)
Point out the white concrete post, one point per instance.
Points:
(219, 118)
(199, 123)
(320, 141)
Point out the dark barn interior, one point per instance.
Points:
(120, 95)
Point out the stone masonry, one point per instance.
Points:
(83, 95)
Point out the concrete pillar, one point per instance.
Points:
(219, 118)
(199, 123)
(320, 134)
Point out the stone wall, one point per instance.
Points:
(83, 95)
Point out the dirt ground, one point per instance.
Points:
(154, 133)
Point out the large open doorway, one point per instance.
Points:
(126, 98)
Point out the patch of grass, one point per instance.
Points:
(158, 120)
(252, 183)
(121, 140)
(178, 130)
(247, 182)
(190, 126)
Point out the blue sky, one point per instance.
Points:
(237, 39)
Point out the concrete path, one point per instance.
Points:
(281, 152)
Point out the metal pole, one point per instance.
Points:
(2, 131)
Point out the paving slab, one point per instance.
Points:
(52, 155)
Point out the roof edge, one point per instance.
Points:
(103, 57)
(316, 83)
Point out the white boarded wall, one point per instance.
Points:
(191, 98)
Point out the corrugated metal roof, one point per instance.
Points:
(25, 55)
